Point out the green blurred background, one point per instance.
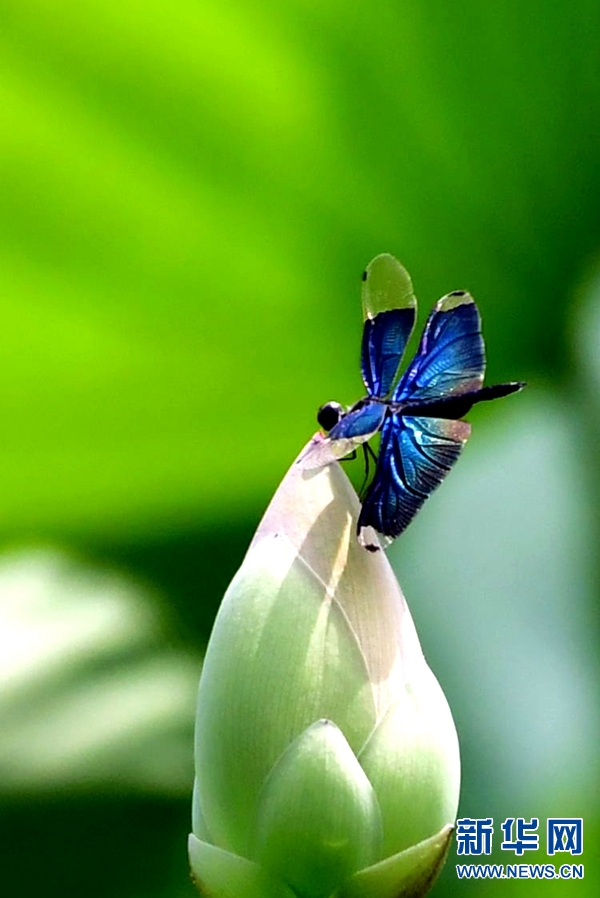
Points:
(189, 194)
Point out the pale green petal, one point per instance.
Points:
(318, 818)
(199, 827)
(409, 874)
(317, 511)
(312, 627)
(281, 656)
(412, 760)
(219, 874)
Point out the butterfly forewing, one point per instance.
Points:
(355, 428)
(450, 359)
(389, 310)
(415, 455)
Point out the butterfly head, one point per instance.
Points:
(330, 414)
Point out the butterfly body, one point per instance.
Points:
(419, 414)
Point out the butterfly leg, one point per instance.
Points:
(368, 454)
(367, 451)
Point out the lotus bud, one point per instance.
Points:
(326, 758)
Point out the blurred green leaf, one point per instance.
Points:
(90, 698)
(191, 191)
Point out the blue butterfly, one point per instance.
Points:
(419, 413)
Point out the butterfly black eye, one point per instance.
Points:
(330, 414)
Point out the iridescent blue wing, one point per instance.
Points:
(389, 309)
(355, 428)
(415, 455)
(450, 359)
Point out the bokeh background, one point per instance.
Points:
(189, 194)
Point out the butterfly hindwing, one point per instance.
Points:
(450, 359)
(415, 455)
